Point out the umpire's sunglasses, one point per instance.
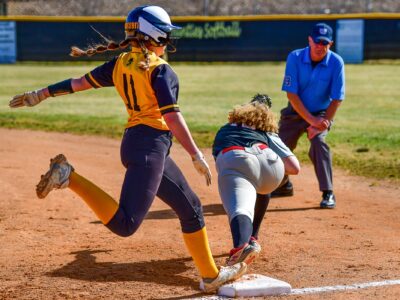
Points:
(321, 42)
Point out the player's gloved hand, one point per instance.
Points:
(201, 166)
(27, 99)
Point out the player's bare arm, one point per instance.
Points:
(177, 125)
(291, 164)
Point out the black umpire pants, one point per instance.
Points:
(291, 128)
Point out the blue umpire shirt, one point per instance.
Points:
(317, 86)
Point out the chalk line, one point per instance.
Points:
(334, 288)
(323, 289)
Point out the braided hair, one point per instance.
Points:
(133, 38)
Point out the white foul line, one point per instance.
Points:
(343, 287)
(321, 289)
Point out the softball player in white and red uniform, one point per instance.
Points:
(251, 161)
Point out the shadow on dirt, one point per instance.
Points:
(215, 210)
(85, 267)
(166, 214)
(208, 210)
(273, 210)
(198, 295)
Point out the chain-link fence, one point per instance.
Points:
(195, 7)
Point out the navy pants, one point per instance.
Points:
(150, 172)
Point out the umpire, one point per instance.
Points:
(315, 85)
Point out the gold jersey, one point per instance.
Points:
(147, 94)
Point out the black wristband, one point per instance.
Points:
(61, 88)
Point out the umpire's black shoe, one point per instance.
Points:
(285, 190)
(328, 200)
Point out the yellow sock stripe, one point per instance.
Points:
(199, 249)
(102, 204)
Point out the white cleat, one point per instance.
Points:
(57, 177)
(225, 275)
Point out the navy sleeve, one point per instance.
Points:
(165, 84)
(102, 75)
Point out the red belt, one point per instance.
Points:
(260, 146)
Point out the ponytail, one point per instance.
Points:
(112, 46)
(144, 65)
(99, 48)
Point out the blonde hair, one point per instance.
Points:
(138, 40)
(255, 115)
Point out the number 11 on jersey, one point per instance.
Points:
(132, 84)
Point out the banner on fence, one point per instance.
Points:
(8, 47)
(350, 40)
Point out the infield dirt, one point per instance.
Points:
(56, 248)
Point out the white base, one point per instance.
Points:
(255, 285)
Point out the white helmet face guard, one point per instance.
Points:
(152, 31)
(153, 22)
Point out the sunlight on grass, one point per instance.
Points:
(369, 118)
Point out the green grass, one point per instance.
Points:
(365, 138)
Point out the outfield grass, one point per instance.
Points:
(365, 139)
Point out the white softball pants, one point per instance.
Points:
(244, 173)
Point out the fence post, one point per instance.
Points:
(3, 7)
(205, 4)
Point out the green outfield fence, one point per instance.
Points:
(358, 37)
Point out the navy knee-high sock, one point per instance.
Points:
(241, 229)
(261, 206)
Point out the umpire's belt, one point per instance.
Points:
(260, 146)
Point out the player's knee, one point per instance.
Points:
(190, 213)
(192, 224)
(122, 225)
(122, 229)
(245, 213)
(318, 141)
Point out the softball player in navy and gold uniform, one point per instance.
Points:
(251, 161)
(149, 89)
